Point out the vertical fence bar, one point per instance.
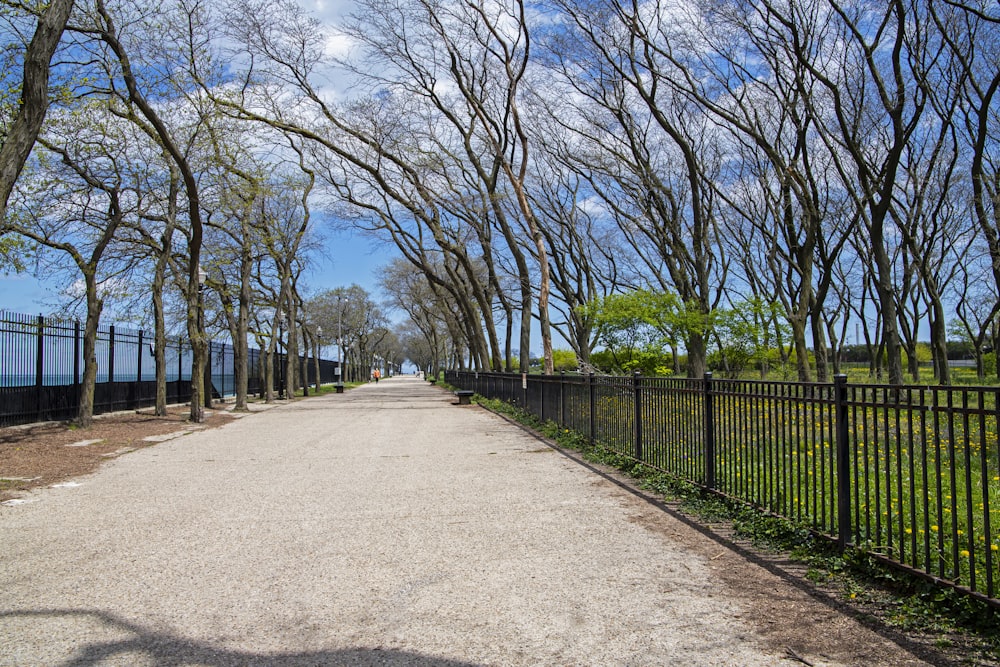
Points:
(138, 359)
(637, 404)
(593, 403)
(76, 362)
(541, 398)
(111, 354)
(39, 367)
(562, 398)
(207, 375)
(709, 401)
(843, 462)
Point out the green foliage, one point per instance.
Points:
(747, 336)
(642, 323)
(564, 360)
(638, 327)
(924, 355)
(13, 250)
(649, 362)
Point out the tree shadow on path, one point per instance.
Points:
(163, 649)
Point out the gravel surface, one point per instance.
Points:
(386, 526)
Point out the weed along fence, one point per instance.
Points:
(41, 368)
(910, 475)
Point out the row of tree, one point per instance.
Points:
(820, 167)
(833, 163)
(140, 194)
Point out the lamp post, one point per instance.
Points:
(207, 373)
(340, 344)
(316, 357)
(281, 374)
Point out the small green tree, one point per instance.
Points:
(637, 327)
(564, 360)
(746, 336)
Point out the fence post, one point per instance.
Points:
(111, 358)
(207, 376)
(709, 432)
(137, 383)
(593, 404)
(541, 395)
(637, 402)
(76, 361)
(180, 366)
(562, 398)
(39, 367)
(843, 462)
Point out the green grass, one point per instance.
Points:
(925, 476)
(327, 389)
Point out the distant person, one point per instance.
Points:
(376, 375)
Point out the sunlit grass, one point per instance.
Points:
(925, 476)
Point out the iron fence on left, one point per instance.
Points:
(41, 369)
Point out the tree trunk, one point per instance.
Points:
(507, 351)
(159, 344)
(199, 346)
(34, 103)
(819, 348)
(696, 350)
(291, 350)
(939, 340)
(887, 304)
(801, 349)
(85, 411)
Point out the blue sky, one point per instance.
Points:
(347, 259)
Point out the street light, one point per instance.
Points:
(340, 344)
(281, 374)
(319, 353)
(207, 373)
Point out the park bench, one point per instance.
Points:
(464, 396)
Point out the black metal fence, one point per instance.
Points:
(41, 368)
(910, 475)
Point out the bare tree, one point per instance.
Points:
(100, 24)
(76, 201)
(647, 151)
(874, 96)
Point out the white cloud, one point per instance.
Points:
(338, 45)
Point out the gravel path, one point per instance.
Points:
(384, 526)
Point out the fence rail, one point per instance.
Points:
(910, 475)
(41, 369)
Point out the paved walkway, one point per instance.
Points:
(382, 526)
